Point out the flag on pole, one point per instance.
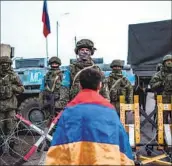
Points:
(45, 20)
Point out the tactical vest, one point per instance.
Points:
(6, 91)
(115, 87)
(53, 80)
(75, 70)
(168, 82)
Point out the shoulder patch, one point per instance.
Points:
(66, 79)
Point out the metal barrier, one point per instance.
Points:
(164, 131)
(132, 129)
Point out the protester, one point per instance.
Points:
(89, 131)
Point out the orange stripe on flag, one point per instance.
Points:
(86, 153)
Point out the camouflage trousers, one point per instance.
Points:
(7, 122)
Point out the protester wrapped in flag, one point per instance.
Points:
(89, 131)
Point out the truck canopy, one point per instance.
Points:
(148, 43)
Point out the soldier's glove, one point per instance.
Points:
(158, 84)
(15, 88)
(163, 83)
(123, 82)
(57, 110)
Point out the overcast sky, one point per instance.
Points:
(104, 22)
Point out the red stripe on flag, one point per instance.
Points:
(45, 20)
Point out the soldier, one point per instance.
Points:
(119, 85)
(51, 88)
(161, 82)
(10, 87)
(84, 49)
(53, 95)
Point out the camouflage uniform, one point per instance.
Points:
(119, 85)
(53, 91)
(158, 67)
(10, 87)
(161, 82)
(78, 66)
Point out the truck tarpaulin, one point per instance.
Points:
(148, 43)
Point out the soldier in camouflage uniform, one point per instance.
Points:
(51, 95)
(84, 49)
(161, 82)
(119, 85)
(10, 87)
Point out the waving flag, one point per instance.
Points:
(89, 133)
(45, 20)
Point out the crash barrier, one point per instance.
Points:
(164, 131)
(44, 135)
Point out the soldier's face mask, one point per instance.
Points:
(168, 63)
(54, 65)
(84, 53)
(5, 67)
(117, 68)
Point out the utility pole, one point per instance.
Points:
(75, 40)
(57, 28)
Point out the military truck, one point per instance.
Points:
(148, 43)
(31, 72)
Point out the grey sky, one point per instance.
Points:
(104, 22)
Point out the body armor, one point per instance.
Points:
(52, 84)
(5, 87)
(116, 86)
(168, 83)
(75, 70)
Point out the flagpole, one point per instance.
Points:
(47, 48)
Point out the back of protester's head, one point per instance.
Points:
(90, 79)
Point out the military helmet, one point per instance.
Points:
(116, 62)
(167, 57)
(158, 66)
(85, 43)
(5, 59)
(54, 59)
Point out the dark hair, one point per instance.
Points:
(90, 78)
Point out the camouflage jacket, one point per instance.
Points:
(120, 85)
(161, 82)
(53, 80)
(75, 70)
(52, 88)
(10, 87)
(70, 81)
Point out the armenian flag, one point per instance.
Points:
(89, 132)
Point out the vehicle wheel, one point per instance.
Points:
(30, 110)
